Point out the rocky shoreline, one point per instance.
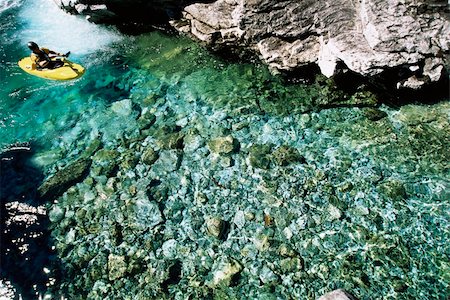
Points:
(402, 45)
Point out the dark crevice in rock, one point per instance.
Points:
(118, 233)
(235, 279)
(304, 74)
(385, 86)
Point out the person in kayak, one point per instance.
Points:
(42, 57)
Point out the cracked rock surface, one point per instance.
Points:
(367, 36)
(406, 39)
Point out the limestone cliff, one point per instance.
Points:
(367, 36)
(407, 39)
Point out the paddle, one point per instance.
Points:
(69, 63)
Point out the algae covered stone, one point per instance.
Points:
(149, 156)
(259, 155)
(106, 161)
(146, 120)
(286, 155)
(393, 189)
(374, 114)
(172, 141)
(289, 265)
(215, 226)
(117, 266)
(65, 178)
(223, 145)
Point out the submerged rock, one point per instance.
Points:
(105, 161)
(223, 271)
(172, 141)
(168, 161)
(337, 295)
(128, 160)
(65, 178)
(259, 156)
(374, 114)
(56, 214)
(393, 189)
(289, 265)
(286, 155)
(223, 145)
(215, 226)
(122, 108)
(146, 120)
(117, 266)
(267, 276)
(149, 156)
(146, 214)
(93, 147)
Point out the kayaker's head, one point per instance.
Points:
(33, 46)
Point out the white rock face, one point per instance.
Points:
(327, 61)
(368, 36)
(365, 36)
(169, 248)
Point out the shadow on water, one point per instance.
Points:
(133, 18)
(429, 93)
(25, 238)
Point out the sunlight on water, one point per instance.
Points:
(8, 4)
(49, 26)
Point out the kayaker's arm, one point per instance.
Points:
(52, 54)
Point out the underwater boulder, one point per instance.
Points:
(286, 155)
(223, 145)
(224, 270)
(259, 156)
(339, 294)
(65, 178)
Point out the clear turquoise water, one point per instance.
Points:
(391, 240)
(39, 110)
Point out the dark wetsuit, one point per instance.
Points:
(43, 55)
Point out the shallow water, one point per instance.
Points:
(366, 208)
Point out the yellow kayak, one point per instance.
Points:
(68, 71)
